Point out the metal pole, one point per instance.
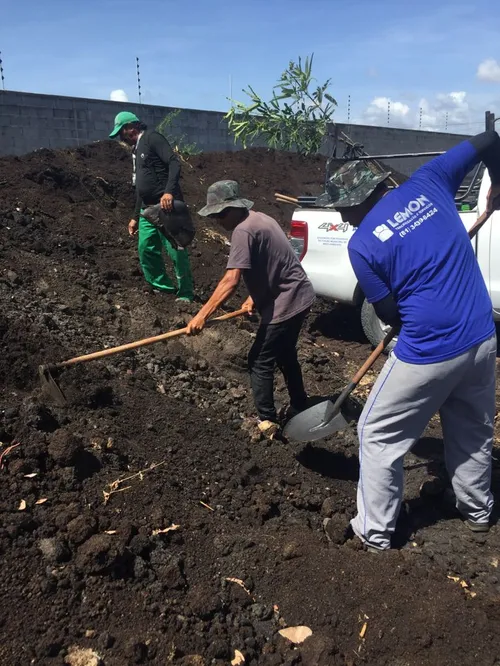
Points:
(489, 120)
(138, 80)
(1, 72)
(397, 155)
(348, 109)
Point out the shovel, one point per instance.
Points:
(325, 418)
(50, 385)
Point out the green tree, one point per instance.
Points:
(296, 117)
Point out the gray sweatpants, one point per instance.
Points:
(401, 404)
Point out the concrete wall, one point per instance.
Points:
(30, 121)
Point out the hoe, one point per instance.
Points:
(50, 386)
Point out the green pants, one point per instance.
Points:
(151, 243)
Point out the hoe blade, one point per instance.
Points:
(50, 387)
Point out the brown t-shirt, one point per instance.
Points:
(273, 275)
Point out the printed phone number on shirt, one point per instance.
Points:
(418, 222)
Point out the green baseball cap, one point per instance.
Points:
(123, 118)
(224, 194)
(350, 185)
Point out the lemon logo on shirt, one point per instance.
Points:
(382, 232)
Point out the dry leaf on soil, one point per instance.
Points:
(167, 529)
(238, 658)
(114, 486)
(457, 579)
(296, 634)
(22, 505)
(42, 500)
(31, 476)
(241, 584)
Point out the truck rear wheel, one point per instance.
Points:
(374, 329)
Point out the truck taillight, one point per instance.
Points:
(298, 238)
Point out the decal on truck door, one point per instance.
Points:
(338, 226)
(337, 233)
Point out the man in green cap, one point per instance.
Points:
(279, 290)
(156, 173)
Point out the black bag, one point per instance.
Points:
(177, 226)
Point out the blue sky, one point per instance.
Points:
(421, 57)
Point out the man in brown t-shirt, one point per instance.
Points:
(279, 290)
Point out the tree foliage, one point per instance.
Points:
(296, 117)
(178, 142)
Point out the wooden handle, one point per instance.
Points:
(373, 356)
(286, 198)
(284, 201)
(142, 343)
(479, 223)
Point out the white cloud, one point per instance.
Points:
(489, 70)
(118, 96)
(378, 110)
(446, 111)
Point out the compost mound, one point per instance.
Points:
(146, 522)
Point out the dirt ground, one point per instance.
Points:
(144, 523)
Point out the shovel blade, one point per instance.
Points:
(311, 424)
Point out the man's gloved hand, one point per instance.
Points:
(493, 198)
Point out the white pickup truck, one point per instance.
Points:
(319, 238)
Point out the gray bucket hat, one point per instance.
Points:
(350, 185)
(224, 194)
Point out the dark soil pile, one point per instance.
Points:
(145, 523)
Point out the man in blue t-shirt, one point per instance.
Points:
(414, 261)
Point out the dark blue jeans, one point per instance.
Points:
(276, 345)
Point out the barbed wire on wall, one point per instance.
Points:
(138, 80)
(424, 120)
(1, 72)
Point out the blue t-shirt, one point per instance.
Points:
(414, 245)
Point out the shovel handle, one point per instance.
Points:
(479, 223)
(140, 343)
(373, 357)
(363, 370)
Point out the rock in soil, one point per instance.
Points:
(100, 554)
(64, 447)
(82, 657)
